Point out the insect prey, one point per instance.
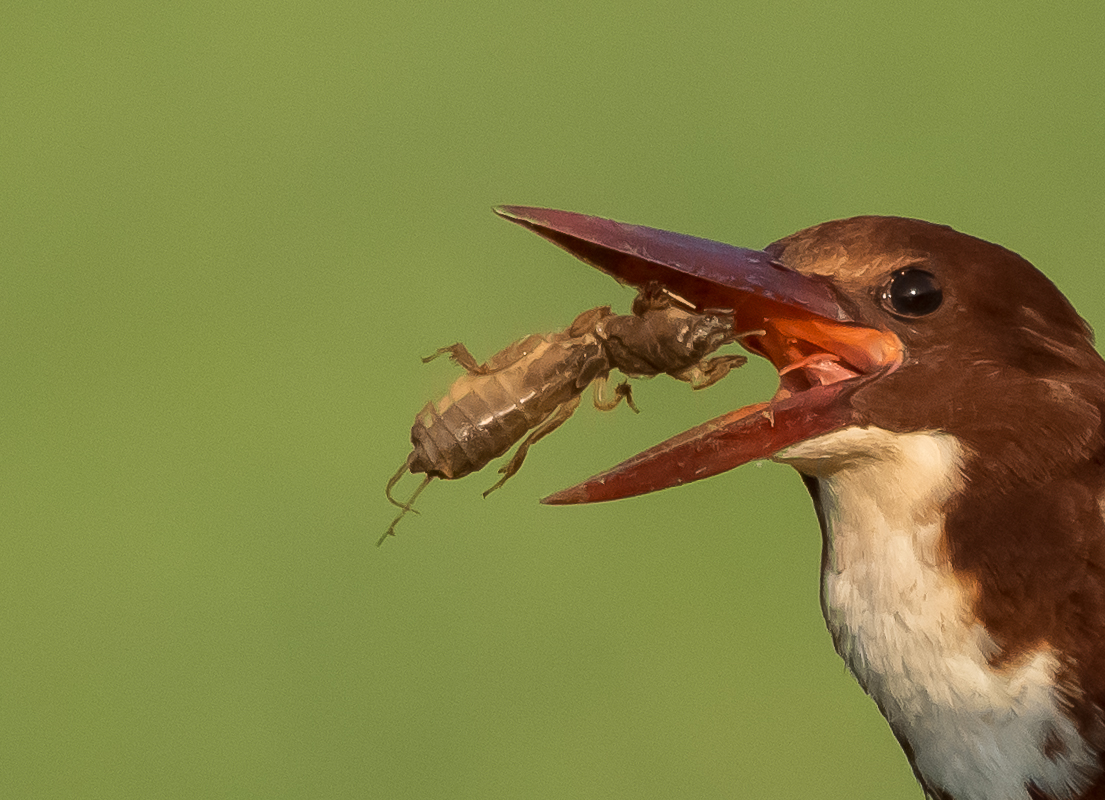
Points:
(529, 389)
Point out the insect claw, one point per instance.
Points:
(626, 391)
(440, 352)
(506, 476)
(623, 390)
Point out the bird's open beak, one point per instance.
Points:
(792, 319)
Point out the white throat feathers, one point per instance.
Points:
(902, 620)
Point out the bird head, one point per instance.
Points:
(884, 321)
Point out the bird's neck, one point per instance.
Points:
(975, 727)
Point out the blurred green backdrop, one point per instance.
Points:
(228, 231)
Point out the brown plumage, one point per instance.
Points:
(943, 403)
(1008, 368)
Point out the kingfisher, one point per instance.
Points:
(943, 403)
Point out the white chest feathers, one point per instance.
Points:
(903, 623)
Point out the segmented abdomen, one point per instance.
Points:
(483, 416)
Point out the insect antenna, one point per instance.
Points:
(407, 506)
(394, 480)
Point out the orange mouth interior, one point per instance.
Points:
(810, 351)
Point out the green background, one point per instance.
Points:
(228, 231)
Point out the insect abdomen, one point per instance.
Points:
(483, 416)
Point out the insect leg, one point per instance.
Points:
(461, 356)
(408, 506)
(623, 389)
(558, 417)
(708, 372)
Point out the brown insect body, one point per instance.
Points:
(494, 405)
(660, 337)
(533, 386)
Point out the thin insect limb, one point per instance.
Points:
(408, 506)
(394, 480)
(622, 390)
(461, 356)
(707, 373)
(551, 423)
(680, 300)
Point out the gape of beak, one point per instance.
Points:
(797, 324)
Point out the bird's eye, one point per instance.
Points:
(912, 292)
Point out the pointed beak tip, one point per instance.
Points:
(566, 497)
(512, 213)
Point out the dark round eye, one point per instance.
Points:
(913, 292)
